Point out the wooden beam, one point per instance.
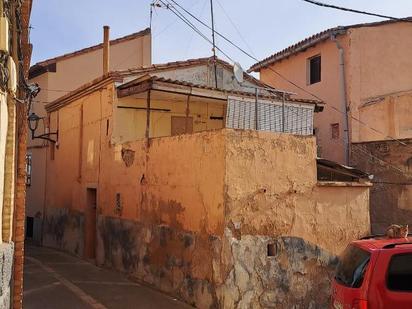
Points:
(147, 135)
(144, 86)
(187, 114)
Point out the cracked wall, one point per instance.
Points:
(272, 196)
(193, 214)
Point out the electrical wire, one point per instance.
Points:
(192, 26)
(197, 30)
(331, 6)
(273, 70)
(236, 28)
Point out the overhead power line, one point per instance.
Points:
(331, 6)
(235, 45)
(170, 6)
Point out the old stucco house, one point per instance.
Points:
(362, 73)
(208, 193)
(57, 77)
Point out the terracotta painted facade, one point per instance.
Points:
(57, 77)
(195, 214)
(378, 98)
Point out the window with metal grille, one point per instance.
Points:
(271, 116)
(28, 169)
(314, 67)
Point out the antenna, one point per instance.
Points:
(213, 40)
(238, 72)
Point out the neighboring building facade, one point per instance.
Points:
(15, 54)
(58, 76)
(159, 185)
(364, 69)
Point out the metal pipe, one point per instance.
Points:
(106, 49)
(213, 40)
(283, 113)
(343, 98)
(256, 109)
(147, 134)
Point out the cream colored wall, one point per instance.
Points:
(294, 68)
(130, 124)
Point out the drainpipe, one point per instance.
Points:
(343, 97)
(106, 49)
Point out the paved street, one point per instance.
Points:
(53, 279)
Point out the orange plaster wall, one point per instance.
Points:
(294, 68)
(377, 64)
(200, 182)
(272, 189)
(177, 181)
(71, 74)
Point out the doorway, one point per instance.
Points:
(90, 224)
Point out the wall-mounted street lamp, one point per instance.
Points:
(33, 120)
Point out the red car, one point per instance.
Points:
(374, 272)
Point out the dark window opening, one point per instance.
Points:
(314, 70)
(352, 267)
(271, 249)
(400, 273)
(29, 227)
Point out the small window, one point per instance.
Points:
(335, 130)
(272, 250)
(352, 267)
(314, 70)
(28, 169)
(29, 227)
(400, 273)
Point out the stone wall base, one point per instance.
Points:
(6, 269)
(64, 230)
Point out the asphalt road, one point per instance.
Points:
(53, 279)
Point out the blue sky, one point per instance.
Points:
(261, 26)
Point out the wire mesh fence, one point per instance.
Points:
(269, 116)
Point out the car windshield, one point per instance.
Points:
(352, 266)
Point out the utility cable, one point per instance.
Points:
(235, 27)
(271, 69)
(331, 6)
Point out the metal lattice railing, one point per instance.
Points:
(271, 116)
